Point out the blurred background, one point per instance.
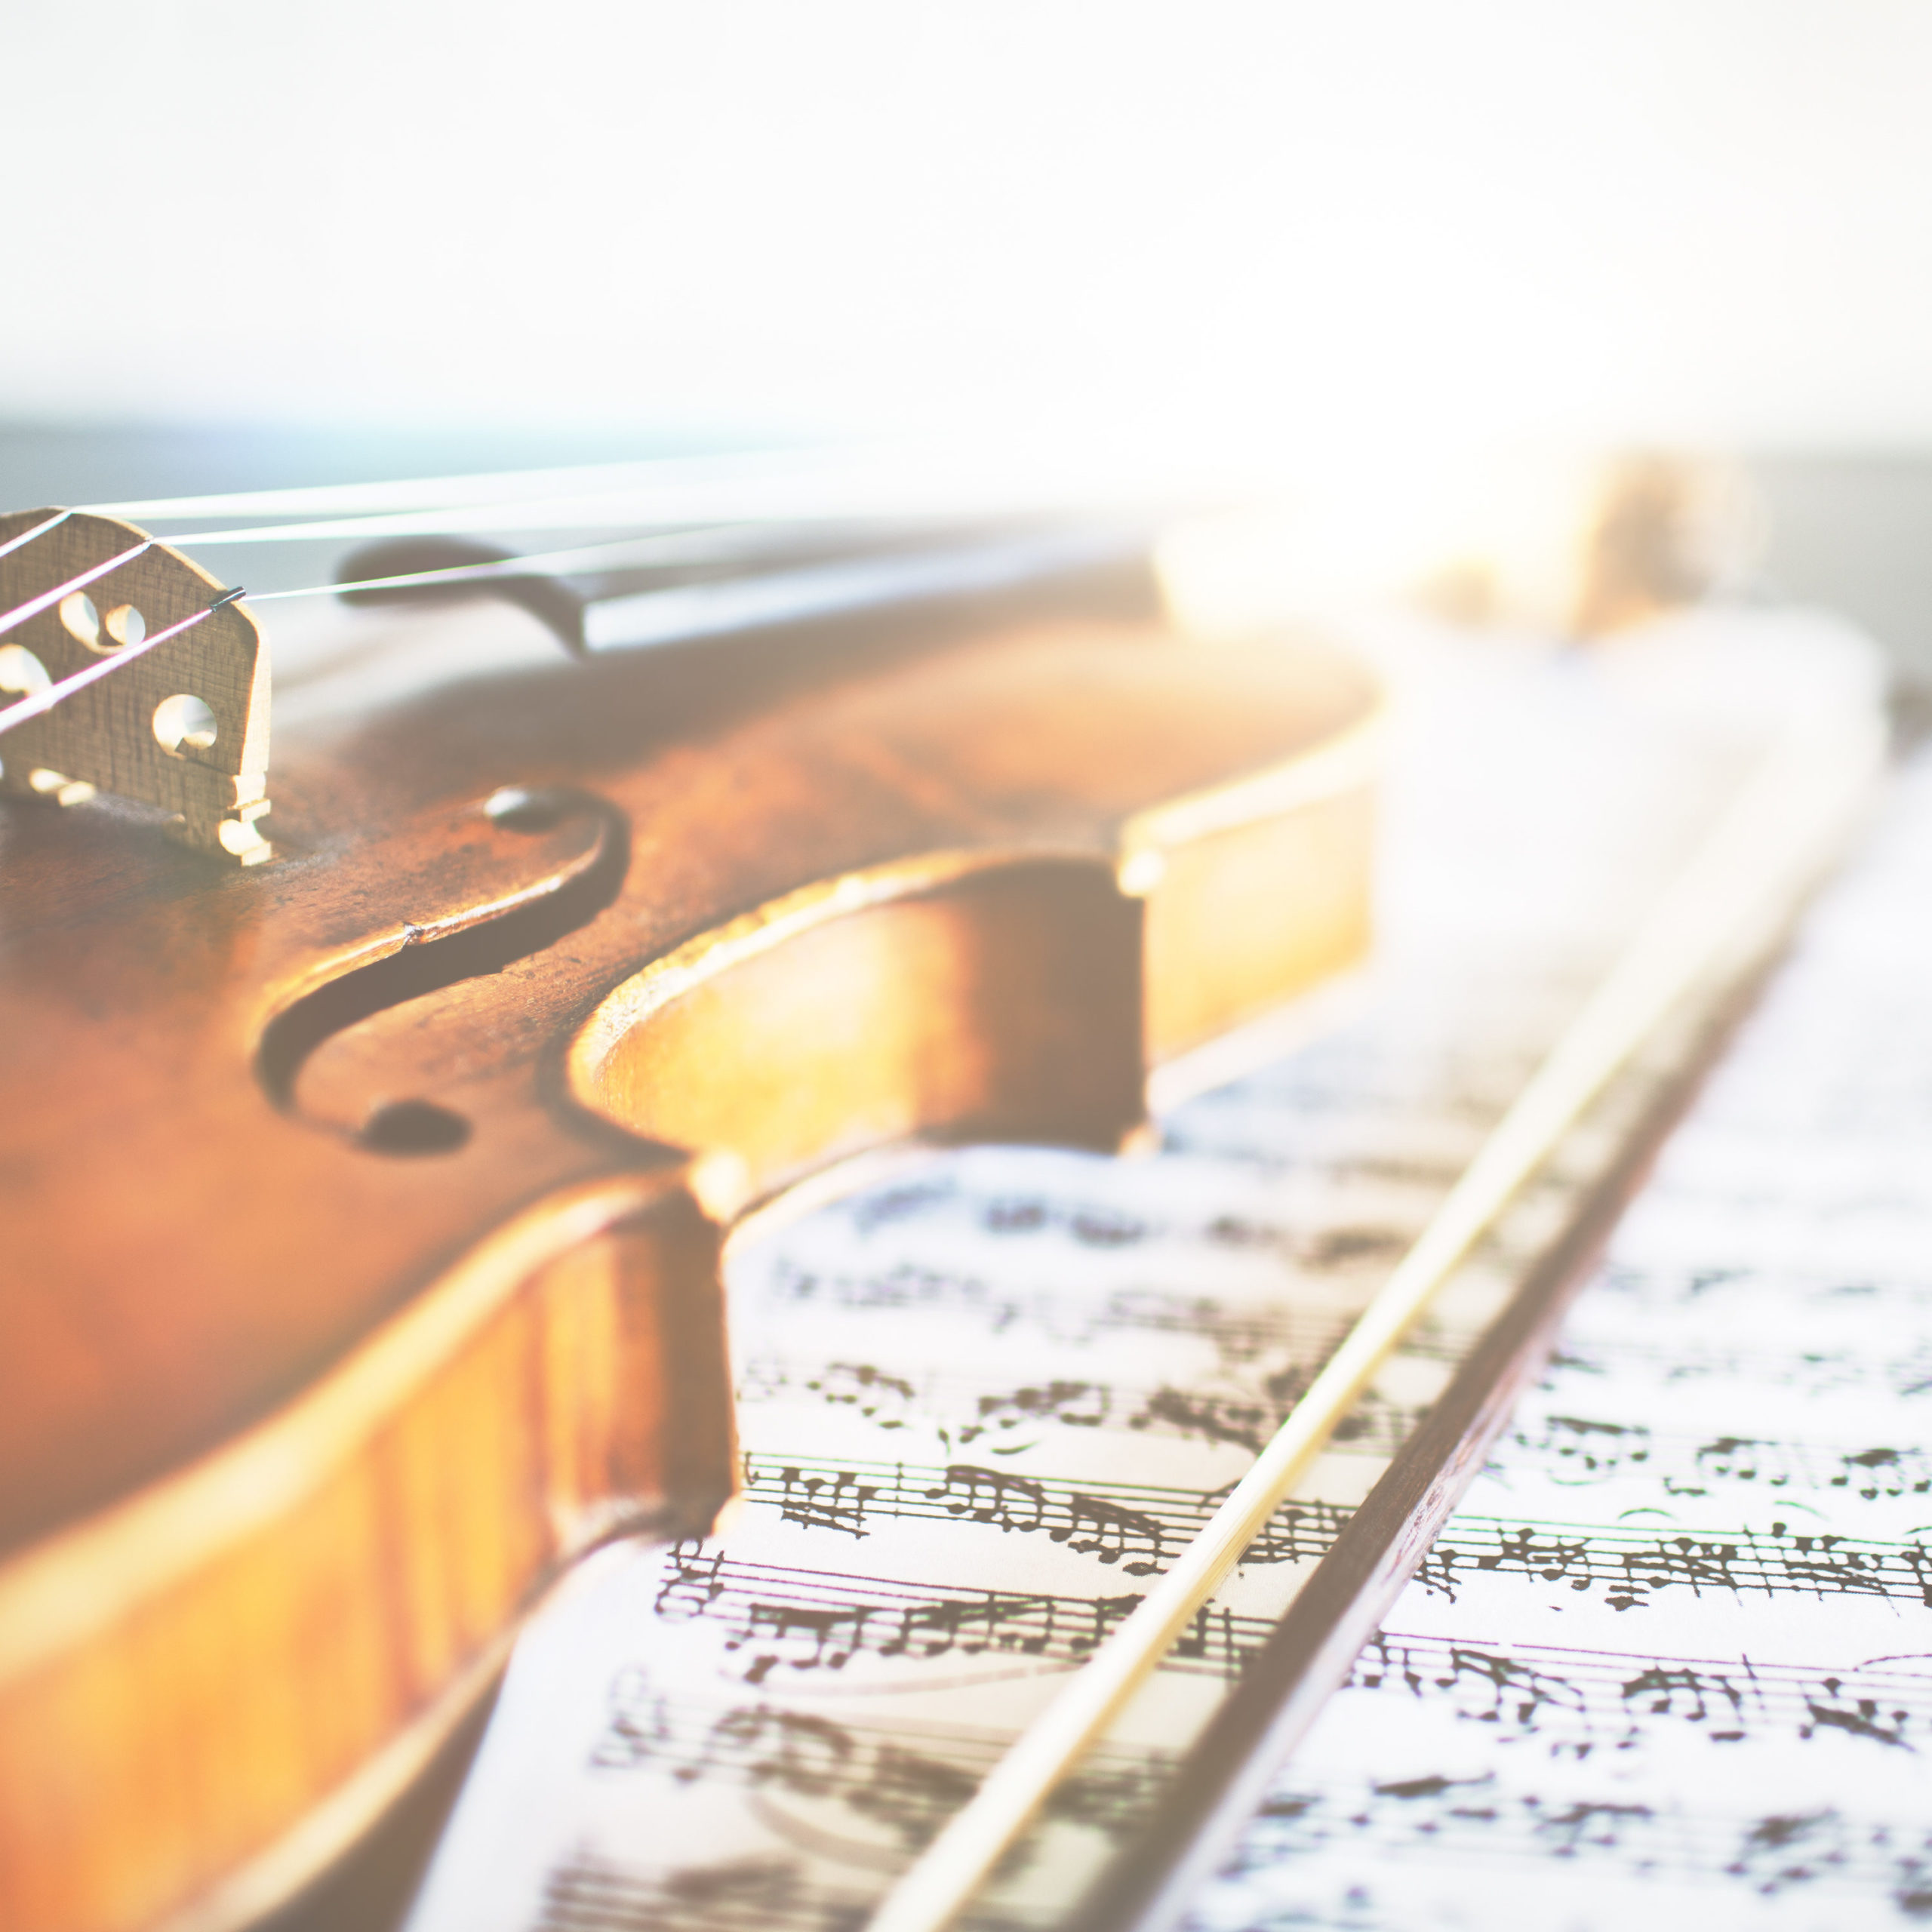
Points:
(1342, 247)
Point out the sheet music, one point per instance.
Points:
(1671, 1663)
(985, 1399)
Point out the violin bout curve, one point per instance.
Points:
(1045, 866)
(208, 1691)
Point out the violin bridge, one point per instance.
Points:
(184, 726)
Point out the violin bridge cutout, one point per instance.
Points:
(184, 727)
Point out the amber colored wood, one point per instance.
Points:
(103, 738)
(363, 1209)
(995, 1000)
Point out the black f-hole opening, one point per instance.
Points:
(425, 963)
(414, 1127)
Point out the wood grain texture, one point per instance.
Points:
(364, 1208)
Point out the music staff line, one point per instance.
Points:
(905, 1781)
(762, 1893)
(1656, 1282)
(783, 1619)
(1359, 1135)
(1449, 1820)
(810, 1619)
(1631, 1565)
(1137, 1525)
(1578, 1451)
(1281, 1326)
(1578, 1702)
(590, 1893)
(1319, 1245)
(963, 1410)
(1574, 1450)
(1903, 1375)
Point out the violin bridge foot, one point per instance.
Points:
(58, 786)
(233, 834)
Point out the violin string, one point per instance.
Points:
(563, 513)
(761, 492)
(661, 550)
(482, 487)
(40, 703)
(20, 613)
(874, 483)
(556, 563)
(857, 500)
(665, 550)
(1005, 466)
(26, 536)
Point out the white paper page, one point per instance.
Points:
(1671, 1665)
(982, 1403)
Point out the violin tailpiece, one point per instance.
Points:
(183, 726)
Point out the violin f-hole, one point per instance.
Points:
(584, 845)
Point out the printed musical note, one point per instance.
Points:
(991, 1496)
(909, 1782)
(1240, 1334)
(1133, 1524)
(834, 1500)
(1898, 1373)
(1576, 1452)
(1629, 1566)
(1632, 1566)
(1096, 1527)
(1064, 1404)
(1251, 1403)
(1572, 1702)
(1679, 1635)
(589, 1893)
(1753, 1363)
(779, 1619)
(1821, 1855)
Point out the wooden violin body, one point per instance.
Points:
(362, 1209)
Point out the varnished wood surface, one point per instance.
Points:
(363, 1208)
(137, 1142)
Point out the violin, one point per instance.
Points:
(370, 1120)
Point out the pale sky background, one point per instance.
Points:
(1695, 220)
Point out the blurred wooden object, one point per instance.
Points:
(1662, 532)
(363, 1208)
